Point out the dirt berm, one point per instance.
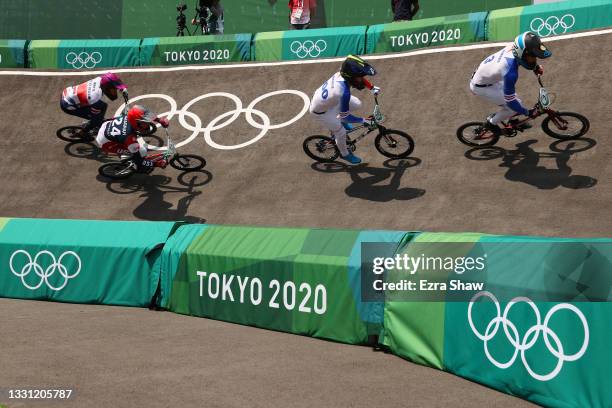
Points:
(528, 186)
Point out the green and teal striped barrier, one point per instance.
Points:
(409, 35)
(303, 281)
(196, 50)
(12, 53)
(554, 353)
(83, 54)
(499, 25)
(307, 44)
(549, 19)
(108, 262)
(539, 329)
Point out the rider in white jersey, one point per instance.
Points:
(332, 103)
(496, 77)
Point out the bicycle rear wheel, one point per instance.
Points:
(188, 162)
(117, 170)
(567, 126)
(474, 134)
(394, 144)
(321, 148)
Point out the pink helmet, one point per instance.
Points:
(113, 80)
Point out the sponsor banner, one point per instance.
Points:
(538, 329)
(306, 44)
(561, 18)
(555, 354)
(409, 35)
(106, 262)
(83, 54)
(303, 281)
(196, 50)
(548, 19)
(12, 53)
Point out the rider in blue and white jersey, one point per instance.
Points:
(332, 103)
(496, 77)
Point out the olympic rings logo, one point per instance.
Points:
(83, 59)
(530, 337)
(552, 25)
(44, 274)
(224, 119)
(308, 48)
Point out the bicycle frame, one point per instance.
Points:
(377, 118)
(166, 155)
(543, 106)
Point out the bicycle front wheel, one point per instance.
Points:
(117, 170)
(321, 148)
(394, 144)
(565, 125)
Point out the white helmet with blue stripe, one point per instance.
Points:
(529, 43)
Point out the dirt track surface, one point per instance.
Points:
(128, 357)
(529, 189)
(131, 357)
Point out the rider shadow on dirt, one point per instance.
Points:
(154, 188)
(374, 183)
(523, 163)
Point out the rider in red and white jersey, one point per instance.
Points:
(119, 136)
(86, 100)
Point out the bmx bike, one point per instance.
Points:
(127, 166)
(560, 125)
(390, 143)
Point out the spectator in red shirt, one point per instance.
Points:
(404, 9)
(301, 11)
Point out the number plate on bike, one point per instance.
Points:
(544, 98)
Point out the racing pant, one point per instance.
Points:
(495, 94)
(131, 146)
(94, 113)
(331, 120)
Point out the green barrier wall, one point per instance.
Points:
(549, 19)
(415, 330)
(402, 36)
(83, 54)
(12, 53)
(308, 281)
(293, 280)
(108, 262)
(49, 19)
(196, 50)
(306, 44)
(552, 353)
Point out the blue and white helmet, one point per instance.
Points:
(529, 43)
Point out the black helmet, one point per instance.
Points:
(529, 43)
(353, 66)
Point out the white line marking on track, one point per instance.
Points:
(312, 61)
